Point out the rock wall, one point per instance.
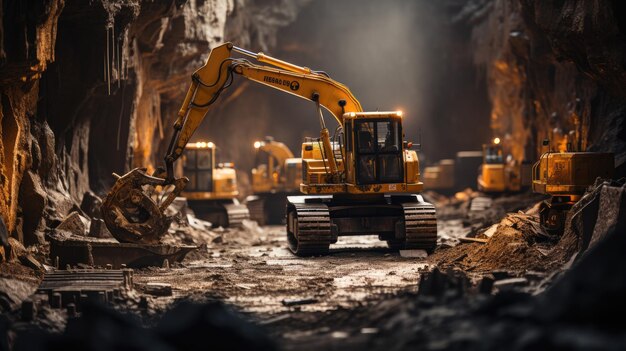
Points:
(88, 88)
(556, 69)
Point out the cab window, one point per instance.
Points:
(379, 151)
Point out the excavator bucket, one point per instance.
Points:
(132, 210)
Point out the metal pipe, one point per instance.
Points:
(244, 51)
(261, 57)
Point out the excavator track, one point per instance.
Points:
(309, 229)
(255, 207)
(420, 227)
(236, 213)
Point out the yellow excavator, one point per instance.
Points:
(277, 174)
(364, 181)
(212, 188)
(565, 176)
(501, 173)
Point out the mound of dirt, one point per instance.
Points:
(518, 244)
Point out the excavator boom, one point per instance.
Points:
(217, 74)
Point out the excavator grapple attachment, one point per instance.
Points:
(132, 210)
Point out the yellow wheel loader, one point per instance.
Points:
(212, 188)
(277, 174)
(500, 173)
(565, 176)
(364, 181)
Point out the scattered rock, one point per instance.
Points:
(91, 204)
(413, 253)
(29, 261)
(16, 250)
(491, 231)
(33, 199)
(298, 302)
(158, 289)
(74, 223)
(511, 283)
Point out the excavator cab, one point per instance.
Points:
(198, 165)
(212, 188)
(377, 147)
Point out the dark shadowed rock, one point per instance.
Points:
(189, 326)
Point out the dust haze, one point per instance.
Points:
(393, 55)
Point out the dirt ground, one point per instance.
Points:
(258, 273)
(346, 298)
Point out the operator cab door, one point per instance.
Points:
(198, 167)
(378, 149)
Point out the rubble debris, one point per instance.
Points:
(197, 223)
(98, 229)
(601, 207)
(481, 203)
(413, 253)
(158, 289)
(91, 204)
(507, 284)
(14, 291)
(29, 261)
(513, 246)
(74, 223)
(185, 327)
(73, 250)
(75, 286)
(490, 231)
(438, 284)
(4, 240)
(486, 285)
(473, 240)
(298, 302)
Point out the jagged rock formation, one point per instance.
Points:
(88, 88)
(91, 87)
(553, 68)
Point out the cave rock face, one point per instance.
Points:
(92, 87)
(555, 70)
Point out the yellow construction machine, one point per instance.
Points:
(500, 172)
(449, 176)
(565, 176)
(212, 188)
(276, 175)
(363, 181)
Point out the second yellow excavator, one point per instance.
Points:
(212, 189)
(277, 174)
(565, 176)
(362, 182)
(500, 173)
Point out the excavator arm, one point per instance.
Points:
(217, 74)
(133, 214)
(277, 150)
